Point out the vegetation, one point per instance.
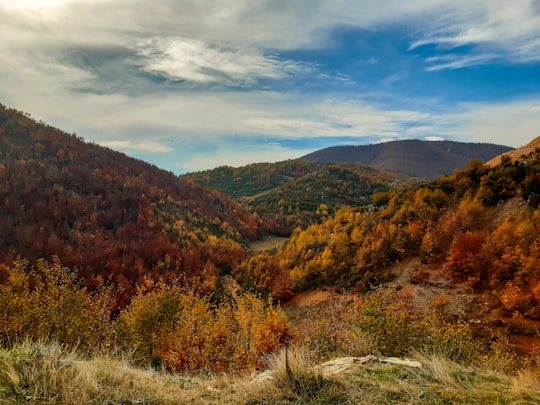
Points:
(116, 219)
(167, 325)
(480, 225)
(190, 341)
(45, 372)
(296, 193)
(120, 283)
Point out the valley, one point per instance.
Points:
(197, 282)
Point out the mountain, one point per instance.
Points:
(115, 218)
(296, 193)
(412, 158)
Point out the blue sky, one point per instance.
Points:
(192, 84)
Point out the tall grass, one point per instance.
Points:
(47, 373)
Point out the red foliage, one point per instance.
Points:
(464, 261)
(111, 216)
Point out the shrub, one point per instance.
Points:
(47, 302)
(174, 326)
(295, 375)
(394, 330)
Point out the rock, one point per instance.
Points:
(267, 375)
(344, 365)
(400, 362)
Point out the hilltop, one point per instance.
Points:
(412, 158)
(297, 193)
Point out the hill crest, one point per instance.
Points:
(412, 158)
(516, 154)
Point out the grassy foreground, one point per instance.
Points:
(45, 373)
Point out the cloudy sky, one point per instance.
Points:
(194, 84)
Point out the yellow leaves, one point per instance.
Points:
(259, 329)
(47, 302)
(322, 211)
(181, 329)
(514, 298)
(357, 234)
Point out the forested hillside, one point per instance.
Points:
(108, 263)
(115, 218)
(412, 158)
(479, 228)
(297, 193)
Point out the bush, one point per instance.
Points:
(47, 302)
(174, 326)
(396, 331)
(294, 374)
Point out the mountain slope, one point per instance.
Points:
(289, 194)
(413, 158)
(516, 154)
(113, 217)
(466, 244)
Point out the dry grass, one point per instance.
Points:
(295, 380)
(268, 243)
(45, 373)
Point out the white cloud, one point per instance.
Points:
(512, 123)
(37, 9)
(229, 41)
(511, 29)
(497, 29)
(137, 147)
(197, 61)
(458, 61)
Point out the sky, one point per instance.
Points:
(190, 85)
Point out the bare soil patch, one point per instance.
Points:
(267, 243)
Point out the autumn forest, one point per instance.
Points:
(99, 251)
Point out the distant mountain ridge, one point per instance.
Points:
(412, 158)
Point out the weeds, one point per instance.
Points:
(45, 372)
(296, 380)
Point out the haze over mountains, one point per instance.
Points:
(412, 158)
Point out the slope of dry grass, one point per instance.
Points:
(41, 373)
